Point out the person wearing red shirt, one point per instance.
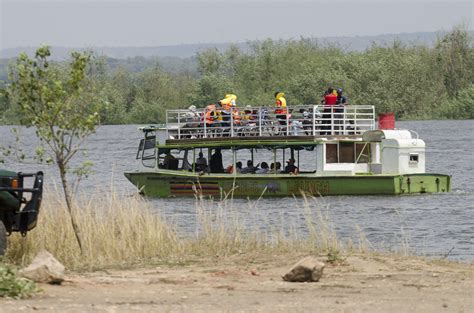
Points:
(331, 97)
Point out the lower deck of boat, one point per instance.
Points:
(166, 183)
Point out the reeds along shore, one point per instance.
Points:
(123, 231)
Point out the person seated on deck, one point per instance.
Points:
(290, 168)
(308, 120)
(238, 166)
(250, 169)
(278, 167)
(201, 163)
(211, 115)
(264, 169)
(168, 161)
(230, 168)
(193, 122)
(275, 168)
(192, 115)
(249, 115)
(215, 163)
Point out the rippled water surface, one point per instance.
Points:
(435, 224)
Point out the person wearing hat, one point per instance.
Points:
(281, 111)
(341, 99)
(248, 114)
(290, 167)
(227, 104)
(191, 113)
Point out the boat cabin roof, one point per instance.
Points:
(249, 142)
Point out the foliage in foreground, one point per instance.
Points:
(62, 104)
(120, 231)
(13, 286)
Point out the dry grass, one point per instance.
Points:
(122, 231)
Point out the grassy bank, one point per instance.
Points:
(123, 231)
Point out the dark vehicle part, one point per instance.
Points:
(17, 213)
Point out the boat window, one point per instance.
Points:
(173, 159)
(346, 152)
(414, 157)
(331, 153)
(362, 152)
(146, 148)
(306, 160)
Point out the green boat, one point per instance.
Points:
(314, 150)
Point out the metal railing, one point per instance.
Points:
(303, 120)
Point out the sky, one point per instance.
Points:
(138, 23)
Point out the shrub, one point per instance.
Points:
(13, 286)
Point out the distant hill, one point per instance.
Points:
(357, 43)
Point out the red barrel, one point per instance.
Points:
(387, 120)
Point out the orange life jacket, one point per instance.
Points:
(281, 107)
(211, 113)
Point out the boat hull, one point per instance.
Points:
(172, 184)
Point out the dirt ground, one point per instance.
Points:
(242, 284)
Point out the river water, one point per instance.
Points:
(430, 224)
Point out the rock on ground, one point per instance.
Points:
(44, 269)
(307, 269)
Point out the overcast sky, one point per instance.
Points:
(81, 23)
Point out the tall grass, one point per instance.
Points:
(121, 231)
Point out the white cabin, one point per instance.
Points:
(377, 152)
(396, 152)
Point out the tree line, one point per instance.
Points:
(414, 81)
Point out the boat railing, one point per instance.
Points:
(302, 120)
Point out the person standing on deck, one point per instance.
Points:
(339, 109)
(330, 99)
(341, 99)
(281, 110)
(215, 163)
(201, 163)
(227, 104)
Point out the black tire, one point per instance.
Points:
(3, 238)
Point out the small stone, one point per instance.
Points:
(254, 272)
(307, 269)
(44, 269)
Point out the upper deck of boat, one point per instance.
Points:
(305, 123)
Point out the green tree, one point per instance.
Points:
(62, 104)
(455, 58)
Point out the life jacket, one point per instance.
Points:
(236, 116)
(281, 105)
(211, 114)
